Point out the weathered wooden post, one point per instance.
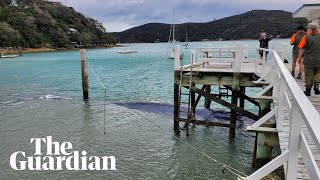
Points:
(176, 89)
(243, 91)
(207, 101)
(235, 88)
(84, 74)
(192, 93)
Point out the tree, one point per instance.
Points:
(5, 3)
(86, 38)
(9, 36)
(35, 23)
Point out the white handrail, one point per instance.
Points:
(301, 112)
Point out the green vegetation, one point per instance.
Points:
(39, 23)
(249, 25)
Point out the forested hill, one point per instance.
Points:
(244, 26)
(38, 23)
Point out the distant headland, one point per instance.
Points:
(276, 23)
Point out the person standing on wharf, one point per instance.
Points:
(295, 40)
(310, 47)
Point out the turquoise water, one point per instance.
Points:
(41, 96)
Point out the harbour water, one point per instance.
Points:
(41, 96)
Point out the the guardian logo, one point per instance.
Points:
(59, 157)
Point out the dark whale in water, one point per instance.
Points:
(201, 113)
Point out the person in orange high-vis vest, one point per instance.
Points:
(310, 48)
(294, 41)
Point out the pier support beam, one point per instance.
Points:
(193, 102)
(207, 101)
(225, 103)
(242, 91)
(84, 74)
(234, 101)
(176, 104)
(265, 141)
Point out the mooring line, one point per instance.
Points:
(96, 75)
(105, 97)
(234, 171)
(104, 111)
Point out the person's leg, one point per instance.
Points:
(316, 80)
(293, 66)
(301, 66)
(308, 72)
(266, 58)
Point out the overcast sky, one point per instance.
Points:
(119, 15)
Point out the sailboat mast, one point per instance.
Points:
(173, 29)
(170, 33)
(186, 35)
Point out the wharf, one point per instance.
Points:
(286, 118)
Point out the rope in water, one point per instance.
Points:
(234, 171)
(98, 79)
(105, 97)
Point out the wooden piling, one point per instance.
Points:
(84, 74)
(207, 101)
(243, 91)
(193, 102)
(176, 104)
(234, 100)
(262, 152)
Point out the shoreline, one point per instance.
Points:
(46, 49)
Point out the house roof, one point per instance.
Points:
(73, 30)
(309, 11)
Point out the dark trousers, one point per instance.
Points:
(312, 75)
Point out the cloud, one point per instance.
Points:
(119, 15)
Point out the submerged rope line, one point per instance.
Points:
(105, 97)
(96, 76)
(104, 111)
(234, 171)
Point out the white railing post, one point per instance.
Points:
(276, 86)
(264, 56)
(238, 57)
(176, 54)
(193, 57)
(281, 102)
(245, 51)
(294, 141)
(257, 61)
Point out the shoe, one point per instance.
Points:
(299, 75)
(316, 91)
(293, 74)
(307, 92)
